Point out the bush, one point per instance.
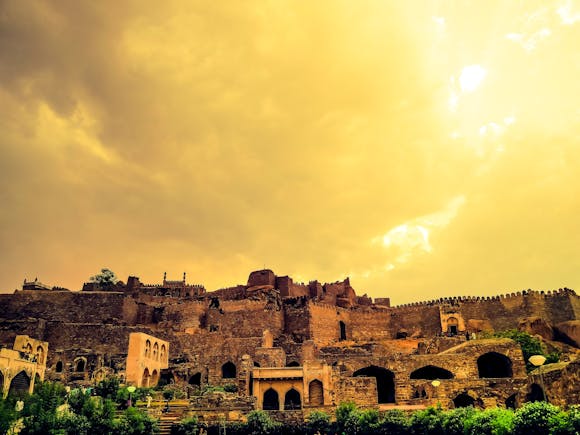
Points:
(493, 421)
(394, 422)
(530, 346)
(230, 388)
(260, 423)
(8, 414)
(185, 427)
(108, 387)
(347, 418)
(454, 421)
(39, 411)
(318, 421)
(536, 418)
(428, 421)
(136, 422)
(368, 422)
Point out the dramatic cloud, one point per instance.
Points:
(423, 151)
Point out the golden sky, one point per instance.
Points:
(423, 148)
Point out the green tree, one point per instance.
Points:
(108, 387)
(530, 346)
(40, 409)
(368, 421)
(536, 418)
(8, 414)
(137, 422)
(347, 418)
(105, 279)
(318, 421)
(260, 423)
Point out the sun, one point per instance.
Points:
(471, 77)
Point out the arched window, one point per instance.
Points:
(494, 365)
(316, 393)
(271, 400)
(156, 351)
(293, 364)
(256, 364)
(58, 367)
(40, 354)
(163, 355)
(342, 330)
(229, 370)
(20, 384)
(292, 400)
(463, 400)
(28, 348)
(195, 379)
(146, 378)
(154, 378)
(431, 373)
(385, 382)
(80, 365)
(147, 349)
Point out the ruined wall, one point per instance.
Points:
(245, 318)
(288, 288)
(296, 319)
(324, 323)
(361, 390)
(369, 324)
(186, 317)
(416, 320)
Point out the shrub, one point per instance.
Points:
(39, 411)
(454, 421)
(394, 422)
(347, 418)
(493, 421)
(185, 427)
(230, 388)
(136, 422)
(260, 423)
(428, 421)
(368, 422)
(535, 418)
(318, 421)
(7, 414)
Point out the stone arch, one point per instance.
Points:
(494, 365)
(80, 364)
(195, 379)
(342, 330)
(292, 400)
(385, 382)
(536, 394)
(316, 393)
(163, 353)
(293, 364)
(40, 354)
(452, 325)
(58, 367)
(146, 378)
(431, 373)
(148, 349)
(463, 400)
(20, 384)
(229, 370)
(271, 400)
(154, 378)
(28, 348)
(256, 364)
(156, 351)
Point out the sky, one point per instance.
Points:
(421, 148)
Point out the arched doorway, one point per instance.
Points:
(80, 365)
(452, 325)
(292, 400)
(463, 400)
(293, 364)
(271, 400)
(154, 378)
(536, 394)
(494, 365)
(229, 370)
(146, 378)
(20, 384)
(385, 382)
(431, 373)
(510, 402)
(195, 379)
(316, 393)
(40, 354)
(58, 367)
(342, 330)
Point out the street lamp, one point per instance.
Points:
(538, 361)
(131, 389)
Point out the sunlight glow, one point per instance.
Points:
(471, 77)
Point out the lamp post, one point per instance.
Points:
(131, 389)
(538, 361)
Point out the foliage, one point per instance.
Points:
(230, 388)
(428, 421)
(347, 418)
(368, 421)
(318, 421)
(260, 423)
(108, 387)
(493, 421)
(530, 346)
(39, 411)
(536, 418)
(455, 419)
(185, 427)
(105, 279)
(394, 422)
(137, 422)
(8, 414)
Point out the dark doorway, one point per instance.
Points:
(292, 400)
(342, 327)
(536, 394)
(452, 325)
(293, 364)
(316, 393)
(58, 367)
(510, 402)
(195, 379)
(494, 365)
(463, 401)
(271, 401)
(256, 364)
(80, 365)
(385, 382)
(431, 373)
(20, 384)
(229, 370)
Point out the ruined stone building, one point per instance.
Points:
(287, 346)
